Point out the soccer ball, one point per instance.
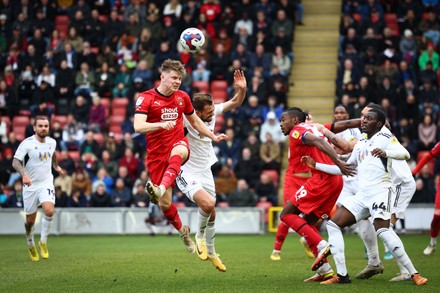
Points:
(192, 39)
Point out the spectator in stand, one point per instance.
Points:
(67, 163)
(386, 89)
(75, 40)
(64, 85)
(68, 55)
(428, 98)
(429, 55)
(56, 132)
(430, 28)
(100, 198)
(122, 82)
(219, 63)
(427, 133)
(154, 21)
(242, 54)
(260, 61)
(425, 186)
(64, 182)
(7, 173)
(347, 73)
(387, 69)
(3, 132)
(112, 146)
(95, 29)
(265, 190)
(282, 39)
(282, 21)
(97, 119)
(225, 183)
(244, 22)
(80, 111)
(135, 7)
(26, 89)
(15, 199)
(73, 134)
(123, 173)
(253, 144)
(81, 183)
(142, 179)
(408, 46)
(140, 198)
(130, 162)
(12, 143)
(405, 128)
(61, 198)
(103, 177)
(77, 200)
(84, 81)
(201, 73)
(428, 74)
(8, 100)
(110, 165)
(282, 61)
(258, 87)
(405, 72)
(105, 54)
(409, 21)
(271, 125)
(88, 56)
(89, 162)
(43, 100)
(47, 76)
(230, 149)
(270, 153)
(247, 168)
(120, 196)
(142, 71)
(242, 196)
(105, 80)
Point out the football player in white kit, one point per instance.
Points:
(34, 160)
(373, 157)
(404, 185)
(195, 179)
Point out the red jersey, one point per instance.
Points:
(160, 108)
(298, 148)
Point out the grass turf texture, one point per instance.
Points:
(161, 264)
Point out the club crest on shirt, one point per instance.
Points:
(180, 101)
(139, 101)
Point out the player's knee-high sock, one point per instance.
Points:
(396, 248)
(29, 234)
(46, 223)
(282, 232)
(203, 220)
(337, 247)
(302, 228)
(172, 171)
(368, 236)
(210, 237)
(435, 226)
(173, 217)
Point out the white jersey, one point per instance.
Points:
(202, 154)
(37, 159)
(372, 171)
(350, 135)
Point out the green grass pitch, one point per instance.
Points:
(144, 263)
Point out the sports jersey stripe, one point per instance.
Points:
(398, 192)
(390, 191)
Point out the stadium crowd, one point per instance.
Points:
(83, 63)
(388, 54)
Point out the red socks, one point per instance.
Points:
(172, 171)
(173, 217)
(435, 226)
(282, 231)
(301, 227)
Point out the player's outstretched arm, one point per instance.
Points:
(141, 125)
(240, 85)
(345, 146)
(433, 153)
(18, 166)
(201, 127)
(311, 163)
(56, 166)
(323, 146)
(346, 124)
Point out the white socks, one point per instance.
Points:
(203, 220)
(210, 237)
(433, 241)
(46, 223)
(368, 236)
(337, 247)
(395, 246)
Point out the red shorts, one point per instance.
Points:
(291, 184)
(157, 165)
(318, 195)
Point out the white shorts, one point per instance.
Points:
(351, 187)
(32, 199)
(189, 183)
(378, 205)
(404, 194)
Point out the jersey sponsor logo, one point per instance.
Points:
(363, 154)
(169, 114)
(44, 156)
(295, 134)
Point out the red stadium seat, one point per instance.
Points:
(19, 132)
(117, 131)
(219, 85)
(75, 156)
(62, 25)
(106, 103)
(20, 121)
(219, 96)
(180, 205)
(103, 18)
(62, 119)
(99, 137)
(121, 112)
(390, 18)
(120, 102)
(201, 86)
(116, 120)
(273, 174)
(223, 204)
